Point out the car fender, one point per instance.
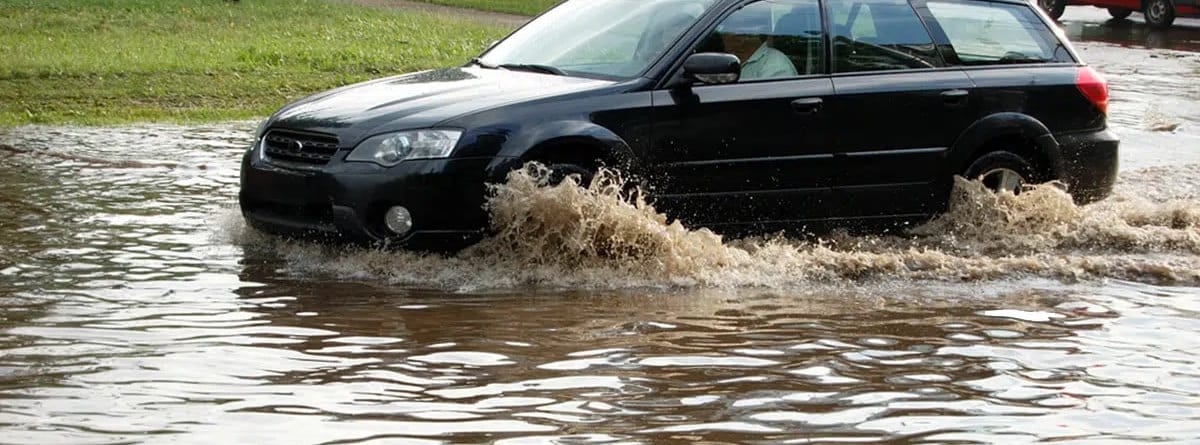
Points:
(553, 139)
(978, 135)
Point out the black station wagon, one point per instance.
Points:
(736, 115)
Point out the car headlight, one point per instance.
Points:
(393, 148)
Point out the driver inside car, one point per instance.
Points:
(744, 34)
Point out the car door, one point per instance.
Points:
(898, 109)
(758, 150)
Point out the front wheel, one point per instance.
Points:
(1054, 8)
(1002, 171)
(1119, 13)
(1159, 13)
(559, 172)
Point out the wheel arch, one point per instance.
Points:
(567, 141)
(1015, 132)
(1142, 4)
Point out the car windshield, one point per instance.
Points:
(606, 38)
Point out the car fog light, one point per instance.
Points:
(398, 220)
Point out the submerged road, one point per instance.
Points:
(135, 308)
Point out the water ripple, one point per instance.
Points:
(127, 316)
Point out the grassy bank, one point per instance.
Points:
(111, 61)
(522, 7)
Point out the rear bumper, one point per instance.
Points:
(1088, 164)
(345, 202)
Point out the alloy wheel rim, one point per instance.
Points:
(1003, 179)
(1155, 11)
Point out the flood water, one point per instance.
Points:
(135, 308)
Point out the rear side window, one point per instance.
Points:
(996, 33)
(879, 35)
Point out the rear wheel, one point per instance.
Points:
(1159, 13)
(1054, 8)
(1119, 13)
(1002, 171)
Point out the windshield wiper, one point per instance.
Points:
(537, 68)
(476, 61)
(534, 67)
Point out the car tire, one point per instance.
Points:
(1054, 8)
(560, 171)
(1159, 13)
(1003, 170)
(1119, 13)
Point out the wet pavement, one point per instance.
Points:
(1153, 77)
(1090, 24)
(135, 308)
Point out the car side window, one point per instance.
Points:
(995, 33)
(774, 39)
(879, 35)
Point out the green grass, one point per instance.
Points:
(522, 7)
(111, 61)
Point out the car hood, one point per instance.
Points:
(420, 100)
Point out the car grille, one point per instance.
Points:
(293, 148)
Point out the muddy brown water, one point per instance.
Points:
(135, 308)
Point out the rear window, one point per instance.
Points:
(996, 33)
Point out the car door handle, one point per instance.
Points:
(955, 98)
(810, 105)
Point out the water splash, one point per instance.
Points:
(597, 225)
(604, 236)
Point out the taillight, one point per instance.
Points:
(1093, 87)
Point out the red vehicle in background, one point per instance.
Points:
(1158, 13)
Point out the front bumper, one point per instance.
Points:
(346, 201)
(1088, 164)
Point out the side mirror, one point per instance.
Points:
(712, 68)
